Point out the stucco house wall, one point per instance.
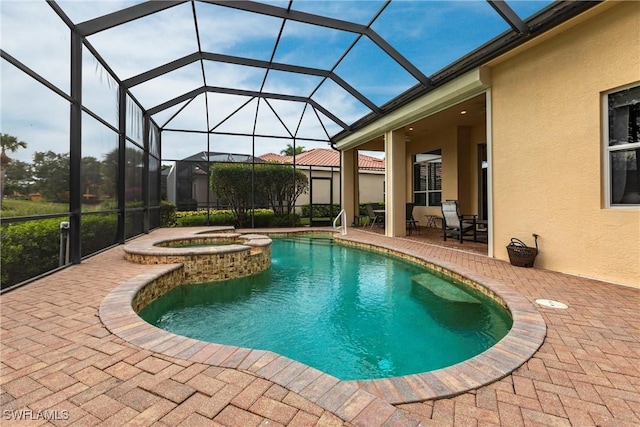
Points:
(371, 186)
(547, 146)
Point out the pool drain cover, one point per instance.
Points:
(551, 303)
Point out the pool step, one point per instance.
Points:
(444, 290)
(322, 241)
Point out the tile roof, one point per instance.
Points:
(324, 157)
(273, 157)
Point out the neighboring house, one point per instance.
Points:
(188, 184)
(188, 179)
(544, 138)
(322, 167)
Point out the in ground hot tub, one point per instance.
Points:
(206, 257)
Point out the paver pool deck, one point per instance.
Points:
(58, 360)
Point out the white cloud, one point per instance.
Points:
(146, 43)
(35, 35)
(33, 114)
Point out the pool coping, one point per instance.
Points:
(344, 398)
(154, 247)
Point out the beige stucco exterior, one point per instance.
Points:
(542, 123)
(547, 132)
(371, 184)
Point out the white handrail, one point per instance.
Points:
(343, 224)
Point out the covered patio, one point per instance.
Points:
(433, 236)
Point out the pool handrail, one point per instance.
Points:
(343, 224)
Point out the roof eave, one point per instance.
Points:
(550, 17)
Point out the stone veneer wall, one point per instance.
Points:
(189, 265)
(201, 268)
(153, 289)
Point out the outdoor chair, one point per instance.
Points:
(454, 224)
(373, 217)
(412, 223)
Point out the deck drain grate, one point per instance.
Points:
(551, 303)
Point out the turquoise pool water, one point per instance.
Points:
(351, 313)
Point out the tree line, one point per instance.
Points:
(49, 174)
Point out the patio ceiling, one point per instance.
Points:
(306, 70)
(467, 113)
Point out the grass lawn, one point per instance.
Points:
(12, 208)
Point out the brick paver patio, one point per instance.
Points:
(59, 361)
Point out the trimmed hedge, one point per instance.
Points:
(323, 211)
(199, 218)
(262, 218)
(168, 216)
(32, 248)
(29, 249)
(98, 232)
(320, 210)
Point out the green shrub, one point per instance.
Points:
(168, 216)
(320, 210)
(29, 249)
(192, 221)
(98, 232)
(286, 220)
(133, 223)
(32, 248)
(199, 218)
(262, 218)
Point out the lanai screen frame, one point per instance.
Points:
(520, 32)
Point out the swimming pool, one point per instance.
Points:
(351, 313)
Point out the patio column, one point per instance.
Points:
(396, 183)
(349, 184)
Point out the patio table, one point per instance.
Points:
(431, 220)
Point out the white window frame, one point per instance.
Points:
(607, 149)
(426, 159)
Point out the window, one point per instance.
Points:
(622, 150)
(427, 178)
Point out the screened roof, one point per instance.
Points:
(310, 70)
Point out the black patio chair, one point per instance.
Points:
(373, 217)
(412, 223)
(454, 224)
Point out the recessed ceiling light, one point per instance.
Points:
(463, 112)
(411, 128)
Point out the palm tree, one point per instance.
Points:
(290, 151)
(9, 143)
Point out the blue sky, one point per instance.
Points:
(430, 34)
